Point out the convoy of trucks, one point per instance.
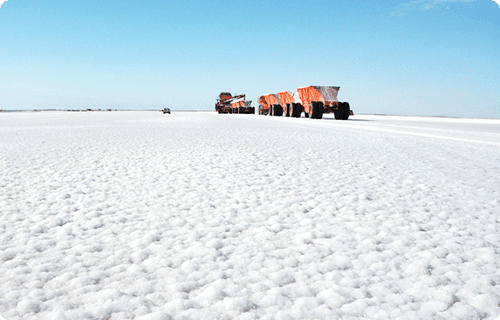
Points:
(226, 103)
(314, 101)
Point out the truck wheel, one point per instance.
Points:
(321, 110)
(300, 109)
(296, 110)
(287, 110)
(347, 111)
(339, 114)
(314, 111)
(306, 114)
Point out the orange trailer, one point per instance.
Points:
(263, 106)
(242, 106)
(268, 103)
(318, 100)
(290, 104)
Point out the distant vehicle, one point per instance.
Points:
(226, 103)
(166, 110)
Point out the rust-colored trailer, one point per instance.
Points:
(242, 106)
(268, 103)
(226, 103)
(290, 103)
(263, 106)
(318, 100)
(314, 101)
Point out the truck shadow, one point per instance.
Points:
(332, 119)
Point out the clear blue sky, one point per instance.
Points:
(391, 57)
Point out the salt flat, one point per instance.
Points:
(195, 215)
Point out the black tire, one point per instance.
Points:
(296, 110)
(339, 113)
(306, 115)
(314, 111)
(287, 110)
(300, 109)
(321, 110)
(347, 111)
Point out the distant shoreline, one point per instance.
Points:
(97, 110)
(155, 110)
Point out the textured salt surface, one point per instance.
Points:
(140, 215)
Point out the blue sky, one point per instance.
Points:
(389, 57)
